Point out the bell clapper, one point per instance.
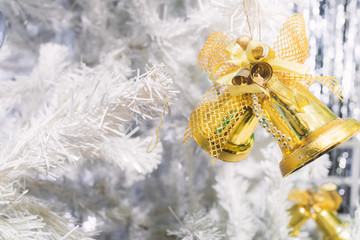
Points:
(258, 80)
(263, 70)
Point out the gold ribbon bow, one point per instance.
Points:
(324, 197)
(320, 204)
(222, 58)
(241, 60)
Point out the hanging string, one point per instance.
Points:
(247, 19)
(166, 104)
(259, 20)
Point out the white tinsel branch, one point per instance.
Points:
(23, 217)
(89, 107)
(27, 93)
(201, 225)
(89, 113)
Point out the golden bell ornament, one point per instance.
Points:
(242, 77)
(306, 134)
(261, 73)
(243, 41)
(236, 146)
(330, 225)
(255, 84)
(257, 52)
(320, 204)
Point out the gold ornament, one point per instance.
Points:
(255, 84)
(261, 73)
(243, 41)
(320, 204)
(242, 77)
(257, 52)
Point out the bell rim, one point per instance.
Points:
(338, 132)
(230, 152)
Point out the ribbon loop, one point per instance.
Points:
(257, 51)
(266, 62)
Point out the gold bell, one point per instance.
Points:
(309, 133)
(330, 225)
(261, 73)
(303, 127)
(306, 134)
(320, 204)
(242, 77)
(238, 144)
(243, 41)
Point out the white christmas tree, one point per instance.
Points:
(94, 102)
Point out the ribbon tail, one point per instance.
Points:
(300, 214)
(286, 66)
(236, 90)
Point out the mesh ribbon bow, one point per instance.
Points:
(222, 58)
(320, 204)
(324, 197)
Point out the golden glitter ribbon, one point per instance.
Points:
(320, 204)
(222, 58)
(166, 104)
